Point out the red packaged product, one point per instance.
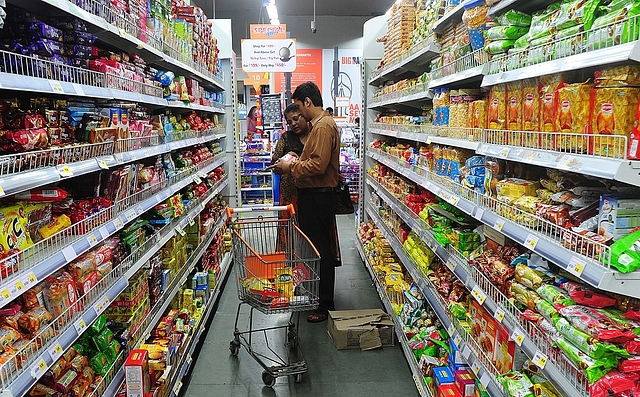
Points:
(38, 195)
(586, 296)
(28, 121)
(597, 324)
(614, 383)
(633, 346)
(24, 140)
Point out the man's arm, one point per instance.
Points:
(318, 149)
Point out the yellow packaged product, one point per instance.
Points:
(548, 106)
(613, 114)
(514, 112)
(515, 188)
(496, 112)
(477, 115)
(284, 281)
(618, 76)
(573, 116)
(394, 278)
(59, 224)
(15, 235)
(530, 111)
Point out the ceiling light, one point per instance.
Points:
(272, 10)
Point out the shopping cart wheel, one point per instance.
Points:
(297, 378)
(268, 379)
(234, 347)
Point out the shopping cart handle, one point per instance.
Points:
(231, 211)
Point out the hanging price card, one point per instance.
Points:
(38, 369)
(466, 353)
(576, 266)
(56, 87)
(80, 326)
(478, 214)
(55, 351)
(177, 387)
(531, 242)
(69, 253)
(485, 379)
(499, 314)
(102, 164)
(64, 171)
(540, 359)
(191, 222)
(499, 224)
(518, 336)
(479, 294)
(476, 367)
(92, 240)
(458, 340)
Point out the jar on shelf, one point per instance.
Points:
(474, 17)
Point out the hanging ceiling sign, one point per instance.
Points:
(273, 55)
(261, 31)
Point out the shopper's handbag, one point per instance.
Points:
(344, 205)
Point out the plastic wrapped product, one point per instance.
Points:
(79, 363)
(506, 32)
(614, 383)
(516, 384)
(554, 295)
(588, 343)
(35, 318)
(585, 296)
(8, 335)
(514, 18)
(592, 368)
(63, 385)
(103, 340)
(523, 295)
(625, 253)
(499, 46)
(597, 324)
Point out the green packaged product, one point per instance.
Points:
(602, 34)
(113, 350)
(627, 323)
(588, 343)
(542, 21)
(98, 325)
(594, 369)
(514, 18)
(625, 253)
(566, 33)
(522, 42)
(576, 12)
(99, 362)
(547, 310)
(554, 295)
(532, 277)
(103, 340)
(506, 32)
(516, 384)
(522, 294)
(499, 46)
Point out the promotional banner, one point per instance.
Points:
(349, 98)
(308, 68)
(268, 55)
(261, 31)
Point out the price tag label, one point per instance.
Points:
(429, 140)
(177, 387)
(451, 265)
(499, 314)
(69, 253)
(38, 369)
(30, 280)
(2, 193)
(499, 224)
(531, 242)
(6, 294)
(183, 280)
(117, 223)
(453, 200)
(55, 351)
(64, 171)
(479, 294)
(18, 286)
(476, 367)
(80, 326)
(526, 154)
(99, 307)
(140, 210)
(180, 230)
(104, 233)
(569, 163)
(466, 353)
(92, 240)
(102, 164)
(202, 174)
(131, 215)
(540, 359)
(189, 359)
(191, 222)
(78, 89)
(56, 87)
(105, 300)
(196, 179)
(504, 152)
(458, 340)
(576, 266)
(485, 379)
(482, 149)
(122, 32)
(451, 329)
(478, 214)
(518, 336)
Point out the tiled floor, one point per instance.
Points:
(379, 372)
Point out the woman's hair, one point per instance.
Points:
(291, 108)
(252, 112)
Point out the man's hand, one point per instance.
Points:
(281, 167)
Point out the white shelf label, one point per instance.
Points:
(30, 280)
(191, 222)
(479, 294)
(18, 287)
(569, 163)
(177, 387)
(64, 171)
(499, 224)
(458, 340)
(466, 353)
(183, 280)
(140, 210)
(478, 214)
(80, 326)
(131, 215)
(518, 336)
(417, 381)
(2, 193)
(78, 89)
(117, 223)
(531, 242)
(56, 87)
(105, 300)
(38, 369)
(476, 367)
(69, 253)
(451, 330)
(429, 140)
(55, 352)
(189, 359)
(499, 314)
(122, 32)
(485, 379)
(576, 266)
(540, 359)
(196, 179)
(527, 155)
(504, 152)
(92, 240)
(180, 230)
(482, 149)
(203, 174)
(104, 233)
(99, 307)
(102, 164)
(5, 293)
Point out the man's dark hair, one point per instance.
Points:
(308, 90)
(291, 108)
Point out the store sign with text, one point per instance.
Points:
(261, 31)
(268, 55)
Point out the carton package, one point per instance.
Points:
(618, 216)
(448, 390)
(360, 329)
(464, 381)
(136, 373)
(442, 376)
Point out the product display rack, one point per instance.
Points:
(261, 189)
(542, 237)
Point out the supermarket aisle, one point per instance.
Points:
(372, 373)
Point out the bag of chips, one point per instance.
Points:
(516, 384)
(597, 324)
(554, 295)
(592, 368)
(614, 383)
(588, 343)
(585, 296)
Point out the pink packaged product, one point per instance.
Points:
(595, 323)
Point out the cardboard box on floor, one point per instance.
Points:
(360, 329)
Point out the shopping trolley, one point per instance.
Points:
(277, 270)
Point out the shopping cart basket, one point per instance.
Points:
(277, 270)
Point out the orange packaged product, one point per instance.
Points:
(614, 113)
(514, 112)
(548, 108)
(82, 267)
(530, 112)
(61, 295)
(496, 111)
(633, 151)
(573, 117)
